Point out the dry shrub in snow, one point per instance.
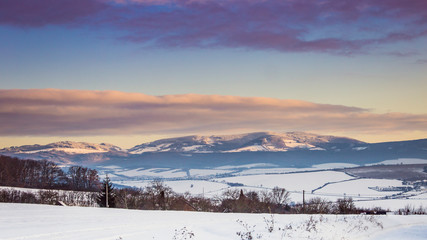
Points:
(248, 232)
(412, 210)
(315, 227)
(183, 234)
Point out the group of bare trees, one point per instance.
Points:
(273, 201)
(158, 196)
(29, 173)
(43, 174)
(51, 197)
(83, 179)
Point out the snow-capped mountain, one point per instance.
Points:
(293, 149)
(251, 142)
(66, 147)
(66, 152)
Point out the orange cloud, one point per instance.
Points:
(57, 112)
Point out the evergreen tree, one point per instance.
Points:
(107, 189)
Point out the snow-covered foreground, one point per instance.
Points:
(28, 221)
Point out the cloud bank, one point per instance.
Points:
(334, 26)
(53, 112)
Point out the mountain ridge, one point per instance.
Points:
(266, 141)
(64, 145)
(252, 142)
(280, 149)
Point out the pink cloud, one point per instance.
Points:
(75, 112)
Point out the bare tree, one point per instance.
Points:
(318, 205)
(345, 206)
(279, 196)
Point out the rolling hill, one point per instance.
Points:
(293, 149)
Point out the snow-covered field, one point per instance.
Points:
(361, 188)
(152, 172)
(234, 170)
(118, 173)
(401, 161)
(328, 184)
(30, 221)
(207, 172)
(392, 204)
(194, 187)
(291, 182)
(322, 180)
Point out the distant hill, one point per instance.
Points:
(293, 149)
(65, 152)
(251, 142)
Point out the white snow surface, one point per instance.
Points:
(421, 196)
(30, 190)
(401, 161)
(207, 172)
(412, 232)
(253, 165)
(112, 167)
(68, 147)
(31, 221)
(293, 181)
(153, 172)
(359, 148)
(393, 204)
(260, 171)
(159, 148)
(67, 150)
(253, 148)
(361, 187)
(194, 187)
(192, 148)
(270, 147)
(334, 165)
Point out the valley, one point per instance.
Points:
(390, 174)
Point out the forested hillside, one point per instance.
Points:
(46, 175)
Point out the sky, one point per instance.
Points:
(131, 71)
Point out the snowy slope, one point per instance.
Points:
(251, 142)
(292, 182)
(65, 152)
(21, 221)
(64, 146)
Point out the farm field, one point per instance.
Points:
(329, 185)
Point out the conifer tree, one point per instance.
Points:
(107, 189)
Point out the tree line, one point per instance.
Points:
(50, 197)
(158, 196)
(44, 174)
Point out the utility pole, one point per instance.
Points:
(106, 193)
(303, 201)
